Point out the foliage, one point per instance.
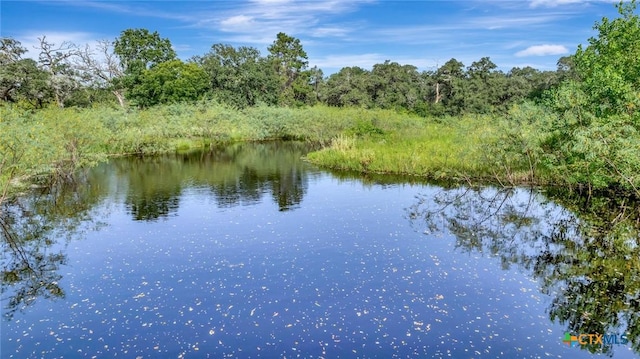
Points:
(21, 79)
(365, 129)
(53, 143)
(414, 147)
(476, 121)
(138, 50)
(514, 146)
(595, 139)
(48, 147)
(239, 77)
(348, 87)
(609, 69)
(170, 82)
(289, 60)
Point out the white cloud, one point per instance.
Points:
(253, 20)
(330, 31)
(138, 8)
(270, 2)
(237, 20)
(542, 50)
(237, 23)
(554, 3)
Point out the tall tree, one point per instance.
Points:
(21, 79)
(58, 62)
(289, 62)
(170, 82)
(139, 50)
(595, 139)
(11, 52)
(316, 79)
(449, 83)
(566, 68)
(348, 87)
(395, 86)
(103, 69)
(484, 87)
(239, 77)
(609, 66)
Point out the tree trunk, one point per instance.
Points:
(438, 96)
(59, 100)
(120, 97)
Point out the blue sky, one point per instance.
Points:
(335, 33)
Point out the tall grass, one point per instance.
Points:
(54, 142)
(469, 148)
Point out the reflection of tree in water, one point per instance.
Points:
(586, 254)
(239, 174)
(253, 170)
(35, 229)
(148, 208)
(29, 270)
(288, 188)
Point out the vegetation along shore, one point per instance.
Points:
(578, 126)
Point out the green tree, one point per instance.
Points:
(11, 52)
(139, 50)
(169, 82)
(289, 61)
(395, 86)
(566, 68)
(484, 87)
(528, 83)
(595, 139)
(33, 83)
(239, 77)
(348, 87)
(316, 80)
(21, 79)
(609, 68)
(450, 79)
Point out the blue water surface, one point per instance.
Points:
(342, 273)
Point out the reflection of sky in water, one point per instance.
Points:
(343, 275)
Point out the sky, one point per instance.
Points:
(334, 33)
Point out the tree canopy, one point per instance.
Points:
(604, 78)
(595, 138)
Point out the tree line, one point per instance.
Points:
(141, 68)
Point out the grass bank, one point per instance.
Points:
(50, 144)
(461, 149)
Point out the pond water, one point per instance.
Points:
(246, 251)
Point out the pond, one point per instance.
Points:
(247, 251)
